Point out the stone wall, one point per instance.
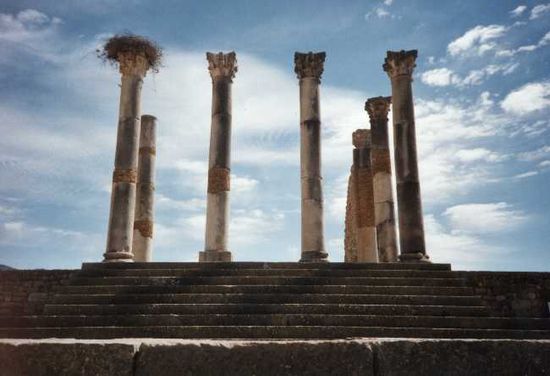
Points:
(516, 294)
(25, 291)
(366, 357)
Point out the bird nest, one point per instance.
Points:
(130, 43)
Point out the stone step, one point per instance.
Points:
(267, 265)
(276, 320)
(266, 299)
(266, 332)
(200, 272)
(270, 280)
(269, 289)
(240, 308)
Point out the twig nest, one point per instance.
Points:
(121, 46)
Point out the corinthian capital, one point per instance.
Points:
(222, 65)
(132, 63)
(361, 138)
(309, 65)
(378, 108)
(399, 63)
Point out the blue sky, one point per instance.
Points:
(482, 93)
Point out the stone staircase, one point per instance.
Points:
(269, 300)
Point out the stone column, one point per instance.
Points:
(142, 245)
(222, 69)
(364, 216)
(399, 66)
(384, 217)
(309, 67)
(133, 67)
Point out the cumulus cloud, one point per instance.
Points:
(439, 77)
(477, 40)
(536, 154)
(484, 218)
(539, 10)
(518, 11)
(447, 77)
(529, 98)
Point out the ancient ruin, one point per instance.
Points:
(360, 229)
(222, 69)
(309, 68)
(134, 56)
(142, 245)
(382, 312)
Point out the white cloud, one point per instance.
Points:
(539, 10)
(518, 11)
(388, 2)
(478, 154)
(484, 218)
(545, 40)
(477, 40)
(536, 154)
(527, 174)
(439, 77)
(447, 77)
(529, 98)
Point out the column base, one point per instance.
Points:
(118, 257)
(215, 256)
(314, 256)
(414, 257)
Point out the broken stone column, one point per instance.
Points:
(222, 69)
(133, 67)
(384, 217)
(399, 67)
(365, 229)
(142, 245)
(309, 68)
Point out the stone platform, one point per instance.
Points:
(276, 301)
(367, 357)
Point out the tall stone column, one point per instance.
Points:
(384, 217)
(399, 66)
(142, 245)
(222, 69)
(309, 68)
(365, 230)
(133, 67)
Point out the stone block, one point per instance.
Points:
(94, 359)
(462, 357)
(256, 358)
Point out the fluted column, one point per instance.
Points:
(384, 217)
(365, 230)
(222, 69)
(133, 67)
(309, 68)
(142, 245)
(399, 66)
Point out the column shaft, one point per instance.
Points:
(142, 245)
(309, 69)
(384, 215)
(222, 69)
(121, 219)
(399, 66)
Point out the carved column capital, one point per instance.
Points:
(378, 108)
(222, 65)
(361, 138)
(400, 63)
(133, 64)
(309, 65)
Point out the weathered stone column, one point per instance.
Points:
(365, 230)
(309, 67)
(399, 66)
(142, 245)
(133, 67)
(384, 217)
(222, 69)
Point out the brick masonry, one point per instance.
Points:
(25, 291)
